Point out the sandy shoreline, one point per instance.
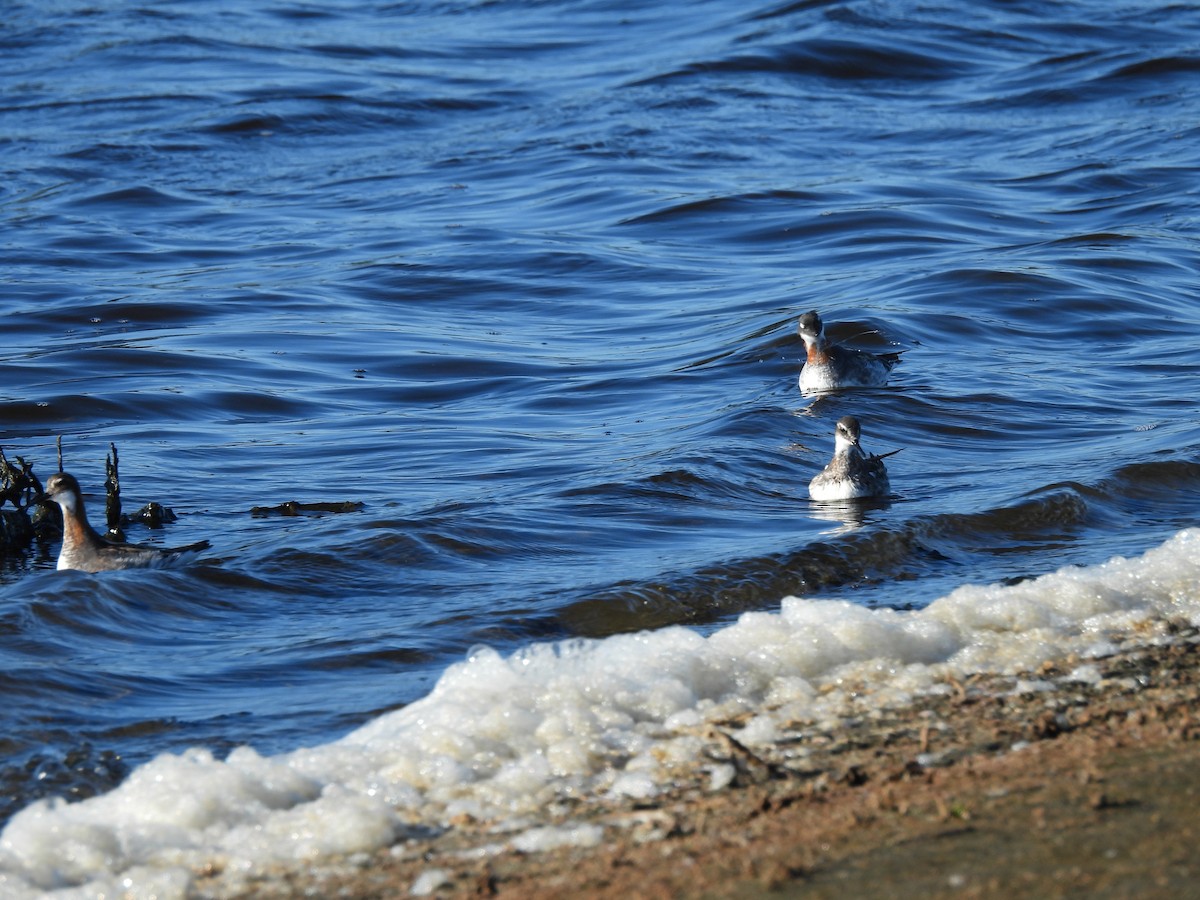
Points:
(1081, 778)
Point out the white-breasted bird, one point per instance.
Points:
(84, 549)
(852, 474)
(830, 367)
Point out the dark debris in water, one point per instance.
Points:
(29, 519)
(20, 489)
(152, 515)
(112, 495)
(18, 485)
(16, 530)
(294, 508)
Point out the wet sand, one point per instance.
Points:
(1037, 786)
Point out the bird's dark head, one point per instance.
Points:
(810, 325)
(848, 429)
(62, 489)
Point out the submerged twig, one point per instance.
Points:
(112, 488)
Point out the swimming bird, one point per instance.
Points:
(84, 549)
(852, 474)
(830, 366)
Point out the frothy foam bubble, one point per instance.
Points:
(502, 737)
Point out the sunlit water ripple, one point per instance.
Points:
(523, 280)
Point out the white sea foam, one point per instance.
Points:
(503, 737)
(429, 881)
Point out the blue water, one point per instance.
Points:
(522, 278)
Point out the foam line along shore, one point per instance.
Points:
(501, 738)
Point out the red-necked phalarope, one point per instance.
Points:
(851, 474)
(830, 366)
(84, 549)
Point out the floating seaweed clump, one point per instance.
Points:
(20, 489)
(152, 515)
(292, 508)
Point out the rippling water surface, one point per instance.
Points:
(522, 278)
